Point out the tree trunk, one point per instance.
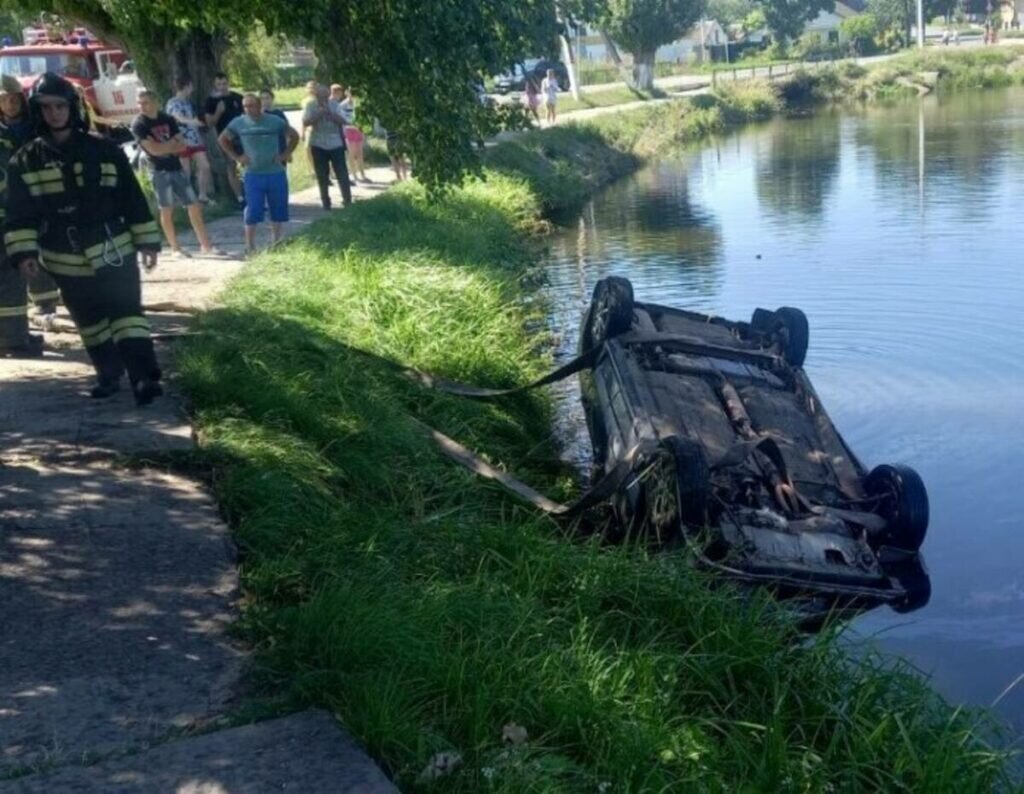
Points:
(643, 71)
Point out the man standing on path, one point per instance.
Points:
(16, 129)
(160, 137)
(222, 107)
(76, 209)
(266, 182)
(327, 145)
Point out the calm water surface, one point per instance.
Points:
(900, 232)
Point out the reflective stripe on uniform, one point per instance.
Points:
(94, 252)
(21, 240)
(146, 233)
(41, 176)
(13, 311)
(46, 189)
(94, 335)
(40, 297)
(130, 328)
(66, 264)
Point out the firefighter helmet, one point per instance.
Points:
(53, 85)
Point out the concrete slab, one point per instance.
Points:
(307, 753)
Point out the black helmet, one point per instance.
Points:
(54, 85)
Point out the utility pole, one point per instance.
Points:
(920, 24)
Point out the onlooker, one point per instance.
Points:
(354, 137)
(193, 156)
(222, 107)
(396, 151)
(265, 180)
(549, 88)
(311, 87)
(160, 137)
(327, 145)
(532, 97)
(267, 100)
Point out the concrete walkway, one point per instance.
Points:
(118, 585)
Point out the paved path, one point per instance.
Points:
(118, 585)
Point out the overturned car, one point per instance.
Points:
(734, 457)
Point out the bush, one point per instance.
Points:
(292, 76)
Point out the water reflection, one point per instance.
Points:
(898, 231)
(797, 167)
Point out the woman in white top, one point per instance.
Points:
(549, 88)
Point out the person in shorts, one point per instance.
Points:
(265, 180)
(396, 152)
(354, 137)
(193, 156)
(159, 135)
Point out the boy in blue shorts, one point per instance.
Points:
(265, 181)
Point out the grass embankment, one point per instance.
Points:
(429, 610)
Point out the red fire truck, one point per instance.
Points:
(103, 72)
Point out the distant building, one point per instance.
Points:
(825, 26)
(694, 47)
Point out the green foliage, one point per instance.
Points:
(641, 26)
(730, 12)
(252, 56)
(861, 31)
(428, 609)
(786, 18)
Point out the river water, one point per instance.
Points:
(900, 232)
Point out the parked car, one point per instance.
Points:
(737, 462)
(535, 68)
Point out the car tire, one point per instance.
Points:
(611, 311)
(762, 321)
(903, 503)
(794, 322)
(917, 596)
(677, 490)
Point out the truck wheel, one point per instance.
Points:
(794, 322)
(903, 504)
(611, 311)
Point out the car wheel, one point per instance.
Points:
(762, 321)
(677, 488)
(797, 336)
(917, 596)
(611, 311)
(903, 503)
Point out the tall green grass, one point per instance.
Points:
(428, 610)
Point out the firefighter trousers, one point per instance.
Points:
(43, 292)
(107, 309)
(13, 309)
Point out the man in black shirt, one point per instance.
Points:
(223, 106)
(160, 138)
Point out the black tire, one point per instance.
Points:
(917, 596)
(797, 334)
(678, 490)
(611, 311)
(762, 321)
(903, 503)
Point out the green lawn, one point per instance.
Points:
(427, 608)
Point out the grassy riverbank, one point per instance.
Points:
(428, 609)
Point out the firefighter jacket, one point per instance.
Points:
(9, 144)
(76, 207)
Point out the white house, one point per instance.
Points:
(686, 49)
(825, 26)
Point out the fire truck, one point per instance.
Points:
(104, 73)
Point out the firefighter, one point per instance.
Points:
(76, 210)
(15, 130)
